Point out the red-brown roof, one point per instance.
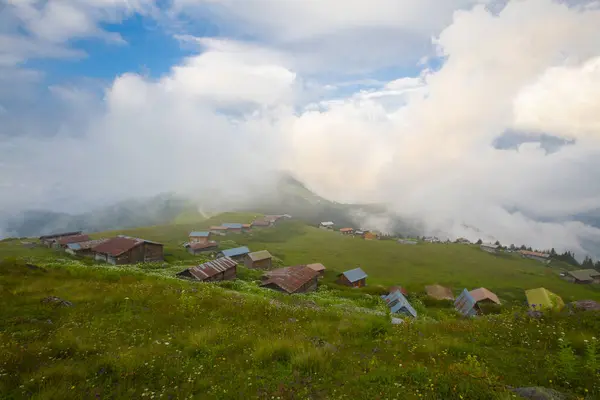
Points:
(290, 279)
(246, 225)
(199, 246)
(401, 289)
(218, 228)
(117, 246)
(346, 230)
(534, 253)
(484, 294)
(212, 268)
(261, 222)
(73, 239)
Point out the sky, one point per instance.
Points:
(470, 115)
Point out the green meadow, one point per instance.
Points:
(137, 332)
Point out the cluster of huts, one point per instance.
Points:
(363, 233)
(293, 279)
(117, 250)
(200, 241)
(471, 303)
(581, 276)
(301, 278)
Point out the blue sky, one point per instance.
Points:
(149, 50)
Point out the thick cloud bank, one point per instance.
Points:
(223, 122)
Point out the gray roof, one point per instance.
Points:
(260, 255)
(199, 234)
(355, 274)
(584, 274)
(232, 225)
(238, 251)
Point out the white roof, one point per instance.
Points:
(328, 223)
(491, 246)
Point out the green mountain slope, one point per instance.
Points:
(386, 262)
(137, 332)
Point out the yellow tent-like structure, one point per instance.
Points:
(542, 299)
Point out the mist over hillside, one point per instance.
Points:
(287, 196)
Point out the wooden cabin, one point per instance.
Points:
(354, 278)
(199, 237)
(290, 280)
(221, 269)
(203, 247)
(258, 260)
(127, 250)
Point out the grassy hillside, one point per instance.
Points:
(137, 332)
(386, 262)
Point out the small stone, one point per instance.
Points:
(56, 301)
(539, 393)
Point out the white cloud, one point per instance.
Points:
(224, 119)
(152, 136)
(346, 36)
(565, 100)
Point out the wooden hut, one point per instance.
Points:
(221, 269)
(354, 278)
(258, 260)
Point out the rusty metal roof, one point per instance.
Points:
(73, 239)
(57, 235)
(346, 230)
(211, 268)
(85, 245)
(534, 253)
(290, 279)
(260, 255)
(400, 288)
(139, 239)
(484, 294)
(218, 228)
(117, 246)
(199, 246)
(261, 222)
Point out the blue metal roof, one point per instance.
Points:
(199, 234)
(465, 304)
(232, 226)
(398, 303)
(238, 251)
(355, 274)
(74, 246)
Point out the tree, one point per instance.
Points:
(552, 252)
(512, 246)
(479, 241)
(587, 263)
(497, 243)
